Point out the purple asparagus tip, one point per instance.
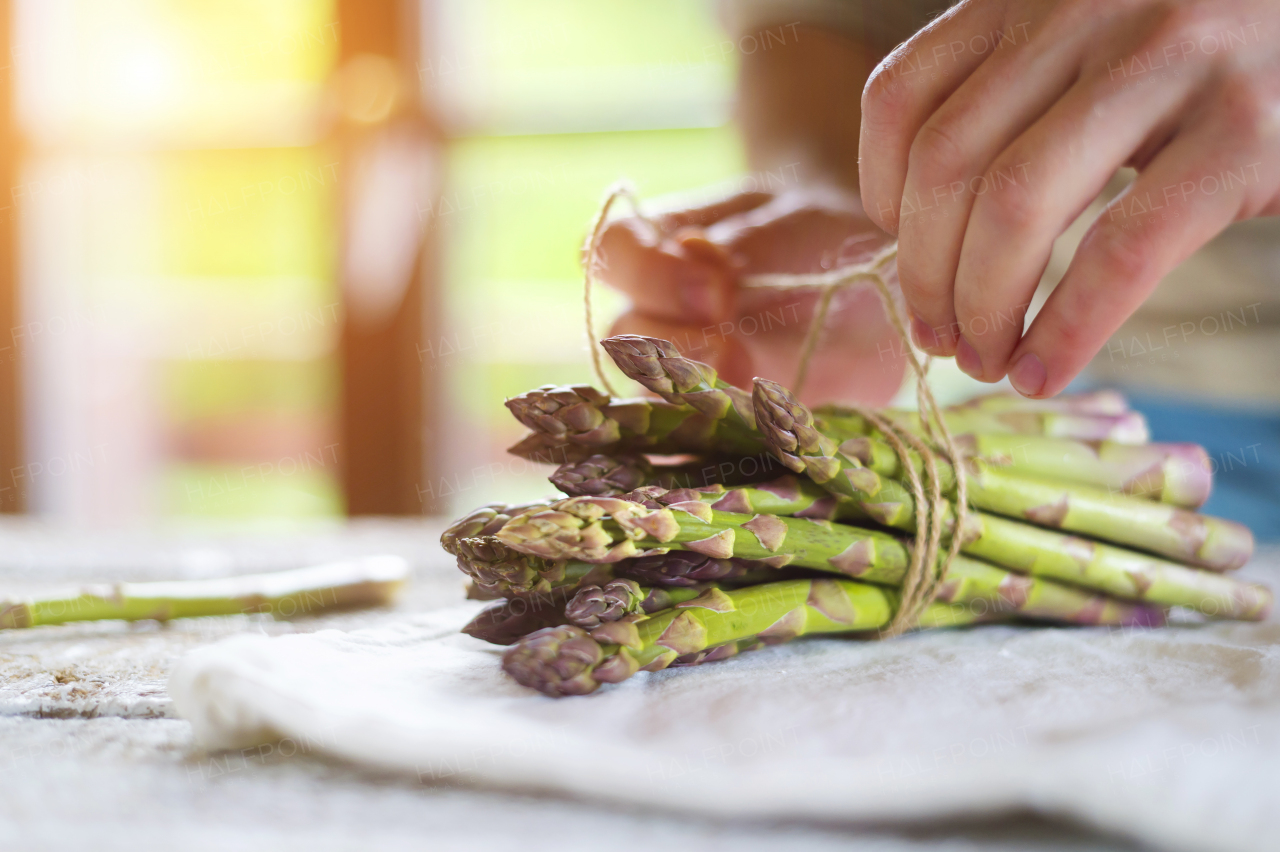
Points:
(603, 476)
(556, 661)
(657, 364)
(484, 521)
(566, 412)
(594, 605)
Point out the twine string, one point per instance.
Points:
(927, 568)
(591, 252)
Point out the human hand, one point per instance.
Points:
(979, 157)
(684, 276)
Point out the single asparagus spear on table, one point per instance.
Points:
(609, 529)
(790, 432)
(371, 581)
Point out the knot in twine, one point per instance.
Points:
(929, 563)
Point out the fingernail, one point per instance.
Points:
(967, 358)
(1028, 375)
(923, 333)
(699, 295)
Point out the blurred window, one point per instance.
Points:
(547, 103)
(179, 231)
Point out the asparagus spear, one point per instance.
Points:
(565, 660)
(569, 660)
(1177, 474)
(544, 449)
(659, 366)
(608, 529)
(592, 606)
(580, 414)
(372, 581)
(484, 521)
(789, 430)
(600, 529)
(508, 622)
(603, 475)
(1103, 401)
(983, 588)
(616, 474)
(1127, 428)
(498, 570)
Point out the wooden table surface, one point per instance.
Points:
(92, 755)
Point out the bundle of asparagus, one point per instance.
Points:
(780, 521)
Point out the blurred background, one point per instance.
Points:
(284, 260)
(270, 259)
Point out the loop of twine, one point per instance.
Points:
(591, 250)
(927, 569)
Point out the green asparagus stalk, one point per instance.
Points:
(605, 529)
(372, 581)
(580, 414)
(982, 587)
(658, 365)
(785, 495)
(1029, 549)
(1127, 428)
(789, 430)
(1177, 474)
(565, 660)
(1105, 401)
(609, 529)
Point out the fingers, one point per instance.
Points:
(906, 88)
(1222, 170)
(708, 214)
(950, 156)
(661, 277)
(1033, 191)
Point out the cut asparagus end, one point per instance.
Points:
(556, 661)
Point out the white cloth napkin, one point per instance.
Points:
(1167, 736)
